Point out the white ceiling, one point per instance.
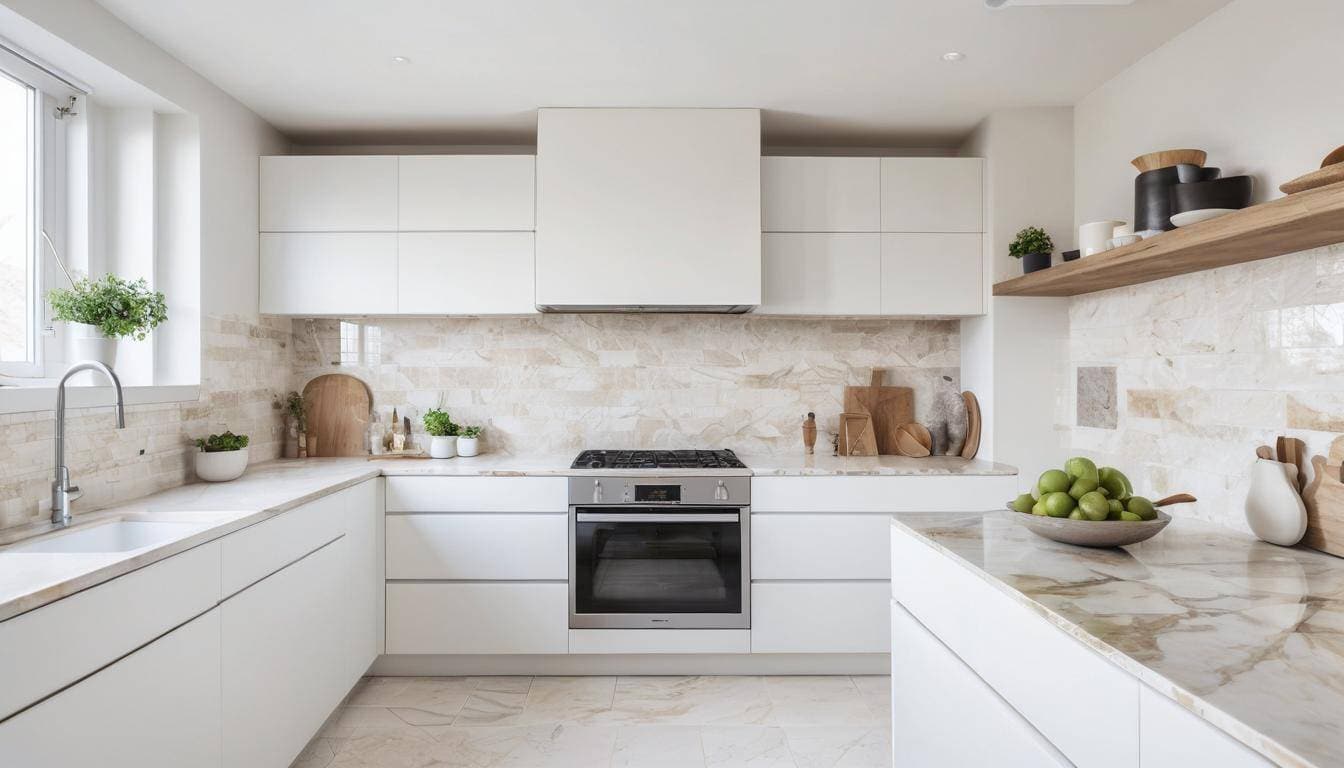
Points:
(827, 72)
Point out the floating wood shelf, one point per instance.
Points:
(1290, 224)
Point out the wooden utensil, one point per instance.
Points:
(1334, 158)
(338, 415)
(1178, 498)
(856, 435)
(1328, 175)
(890, 407)
(1292, 452)
(1169, 157)
(1324, 498)
(914, 440)
(972, 446)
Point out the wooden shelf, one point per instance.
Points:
(1290, 224)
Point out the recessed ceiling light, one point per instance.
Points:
(401, 60)
(954, 56)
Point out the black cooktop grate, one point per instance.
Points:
(724, 459)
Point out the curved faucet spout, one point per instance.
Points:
(62, 493)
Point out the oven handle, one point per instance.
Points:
(603, 517)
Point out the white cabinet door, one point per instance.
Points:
(478, 494)
(283, 659)
(820, 617)
(1172, 737)
(480, 547)
(486, 617)
(157, 707)
(942, 714)
(932, 194)
(821, 274)
(365, 576)
(825, 546)
(932, 274)
(329, 273)
(328, 193)
(467, 193)
(465, 273)
(820, 194)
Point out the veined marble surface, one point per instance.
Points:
(767, 465)
(1247, 635)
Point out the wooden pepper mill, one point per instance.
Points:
(810, 432)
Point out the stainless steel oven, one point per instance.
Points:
(659, 552)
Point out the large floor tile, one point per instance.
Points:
(658, 746)
(745, 746)
(568, 699)
(703, 700)
(817, 700)
(840, 746)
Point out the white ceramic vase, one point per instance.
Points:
(442, 447)
(468, 446)
(221, 466)
(87, 342)
(1274, 508)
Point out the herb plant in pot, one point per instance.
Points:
(101, 311)
(1033, 246)
(442, 434)
(221, 457)
(469, 443)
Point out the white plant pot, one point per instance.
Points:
(87, 342)
(221, 466)
(442, 447)
(468, 446)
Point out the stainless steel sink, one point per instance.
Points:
(116, 536)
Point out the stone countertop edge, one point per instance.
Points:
(1235, 728)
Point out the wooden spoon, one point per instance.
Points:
(1179, 498)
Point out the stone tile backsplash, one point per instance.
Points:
(1096, 396)
(1210, 365)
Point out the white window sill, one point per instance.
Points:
(43, 398)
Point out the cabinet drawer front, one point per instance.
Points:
(932, 194)
(797, 546)
(477, 494)
(492, 546)
(642, 641)
(256, 552)
(52, 646)
(950, 493)
(328, 194)
(820, 194)
(820, 617)
(1171, 736)
(477, 618)
(329, 274)
(1031, 663)
(821, 274)
(467, 192)
(498, 265)
(932, 274)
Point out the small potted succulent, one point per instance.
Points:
(221, 457)
(442, 434)
(1033, 246)
(101, 311)
(469, 443)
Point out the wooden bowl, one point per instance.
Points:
(1169, 157)
(1088, 533)
(1334, 158)
(914, 440)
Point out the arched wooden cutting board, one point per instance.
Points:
(338, 415)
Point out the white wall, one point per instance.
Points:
(1256, 84)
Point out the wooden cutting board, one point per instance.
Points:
(1325, 503)
(338, 414)
(890, 408)
(972, 445)
(856, 435)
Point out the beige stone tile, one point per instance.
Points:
(319, 753)
(840, 746)
(702, 700)
(568, 699)
(816, 700)
(745, 746)
(484, 707)
(658, 746)
(346, 721)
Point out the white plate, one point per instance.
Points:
(1203, 214)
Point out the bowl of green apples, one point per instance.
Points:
(1089, 506)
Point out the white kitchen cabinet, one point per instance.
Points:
(824, 546)
(364, 549)
(943, 714)
(932, 194)
(932, 274)
(821, 274)
(465, 273)
(481, 547)
(821, 194)
(334, 273)
(873, 493)
(477, 494)
(328, 193)
(158, 707)
(820, 617)
(477, 618)
(467, 193)
(284, 659)
(255, 552)
(1172, 737)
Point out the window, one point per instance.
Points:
(19, 285)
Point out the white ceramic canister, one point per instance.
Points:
(1094, 236)
(1274, 508)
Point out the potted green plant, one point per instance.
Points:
(221, 457)
(1033, 246)
(469, 442)
(442, 434)
(101, 311)
(296, 426)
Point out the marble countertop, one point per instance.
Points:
(821, 465)
(1247, 635)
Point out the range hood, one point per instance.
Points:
(648, 210)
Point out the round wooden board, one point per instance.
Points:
(338, 414)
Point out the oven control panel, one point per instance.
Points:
(660, 491)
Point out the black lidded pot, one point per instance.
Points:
(1153, 203)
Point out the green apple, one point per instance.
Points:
(1142, 507)
(1094, 506)
(1083, 486)
(1077, 514)
(1059, 504)
(1053, 481)
(1130, 517)
(1080, 467)
(1114, 481)
(1023, 503)
(1038, 509)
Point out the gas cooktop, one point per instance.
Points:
(724, 459)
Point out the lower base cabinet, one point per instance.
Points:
(484, 617)
(820, 617)
(157, 707)
(284, 663)
(1173, 737)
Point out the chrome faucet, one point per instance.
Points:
(62, 492)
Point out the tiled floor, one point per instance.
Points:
(605, 722)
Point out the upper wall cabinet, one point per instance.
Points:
(328, 194)
(467, 193)
(821, 194)
(932, 194)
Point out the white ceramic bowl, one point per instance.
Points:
(221, 466)
(1089, 533)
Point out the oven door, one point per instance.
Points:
(651, 567)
